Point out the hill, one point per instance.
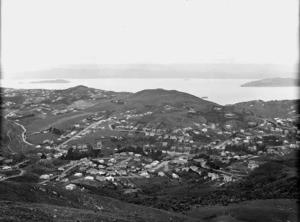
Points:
(32, 202)
(272, 82)
(11, 141)
(268, 109)
(173, 97)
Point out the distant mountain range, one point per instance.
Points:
(52, 81)
(273, 82)
(203, 71)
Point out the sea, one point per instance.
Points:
(221, 91)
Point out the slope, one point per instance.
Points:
(28, 202)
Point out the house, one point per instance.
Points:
(237, 157)
(194, 168)
(252, 165)
(89, 178)
(99, 145)
(175, 176)
(78, 174)
(154, 163)
(101, 179)
(192, 110)
(71, 186)
(101, 166)
(227, 178)
(100, 172)
(45, 176)
(213, 176)
(110, 178)
(204, 130)
(161, 174)
(253, 148)
(145, 174)
(92, 171)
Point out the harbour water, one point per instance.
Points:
(221, 91)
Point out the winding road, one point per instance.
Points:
(22, 172)
(24, 130)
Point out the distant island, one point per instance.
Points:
(272, 82)
(52, 81)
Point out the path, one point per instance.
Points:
(23, 134)
(8, 145)
(22, 172)
(24, 130)
(164, 164)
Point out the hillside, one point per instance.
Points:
(11, 141)
(268, 109)
(154, 155)
(173, 97)
(32, 202)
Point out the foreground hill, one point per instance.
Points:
(32, 202)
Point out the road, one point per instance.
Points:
(222, 144)
(23, 134)
(228, 173)
(24, 130)
(164, 164)
(78, 134)
(8, 145)
(22, 172)
(64, 172)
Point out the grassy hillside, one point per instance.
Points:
(269, 109)
(28, 202)
(176, 98)
(256, 211)
(11, 140)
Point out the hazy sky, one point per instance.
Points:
(41, 34)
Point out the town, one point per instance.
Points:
(119, 148)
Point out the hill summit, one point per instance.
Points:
(167, 96)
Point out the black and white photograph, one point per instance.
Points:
(149, 111)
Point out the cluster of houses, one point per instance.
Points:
(119, 166)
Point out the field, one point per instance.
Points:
(39, 138)
(59, 121)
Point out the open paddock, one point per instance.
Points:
(58, 121)
(39, 138)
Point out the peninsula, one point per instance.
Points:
(273, 82)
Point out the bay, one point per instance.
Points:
(221, 91)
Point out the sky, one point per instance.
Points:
(42, 34)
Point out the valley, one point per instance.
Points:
(159, 149)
